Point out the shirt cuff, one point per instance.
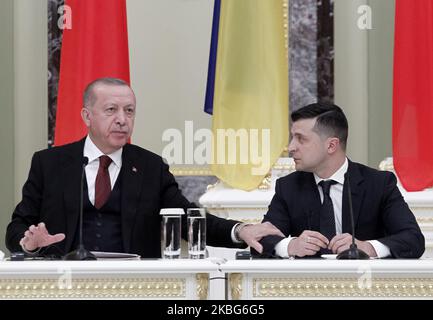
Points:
(30, 253)
(281, 249)
(232, 234)
(382, 251)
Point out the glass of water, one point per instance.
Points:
(196, 233)
(171, 219)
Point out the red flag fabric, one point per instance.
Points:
(96, 46)
(412, 134)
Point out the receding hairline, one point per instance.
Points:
(89, 97)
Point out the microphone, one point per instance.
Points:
(81, 253)
(353, 253)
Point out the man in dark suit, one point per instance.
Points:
(311, 206)
(125, 188)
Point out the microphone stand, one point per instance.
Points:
(353, 253)
(81, 253)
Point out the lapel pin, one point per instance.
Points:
(134, 169)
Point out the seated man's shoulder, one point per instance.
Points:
(375, 174)
(143, 153)
(369, 170)
(56, 151)
(295, 177)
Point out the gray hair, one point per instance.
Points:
(89, 96)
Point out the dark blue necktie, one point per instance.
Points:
(327, 219)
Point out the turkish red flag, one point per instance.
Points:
(96, 46)
(412, 126)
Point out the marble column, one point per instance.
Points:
(54, 48)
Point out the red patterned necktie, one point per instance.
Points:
(103, 184)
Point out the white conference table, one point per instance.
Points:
(329, 279)
(132, 279)
(204, 279)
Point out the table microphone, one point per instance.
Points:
(81, 253)
(353, 253)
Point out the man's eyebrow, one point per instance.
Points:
(297, 134)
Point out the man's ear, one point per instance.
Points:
(333, 145)
(85, 115)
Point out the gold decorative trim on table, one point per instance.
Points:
(341, 287)
(202, 285)
(191, 171)
(93, 288)
(235, 283)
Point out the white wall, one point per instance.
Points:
(363, 77)
(7, 182)
(380, 66)
(23, 81)
(30, 85)
(169, 44)
(351, 75)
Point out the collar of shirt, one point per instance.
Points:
(92, 152)
(337, 176)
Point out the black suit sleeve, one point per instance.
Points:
(218, 231)
(404, 237)
(278, 215)
(27, 212)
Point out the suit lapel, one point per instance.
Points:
(358, 191)
(71, 175)
(132, 176)
(311, 203)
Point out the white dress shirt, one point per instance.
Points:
(336, 194)
(92, 152)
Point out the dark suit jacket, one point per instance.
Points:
(52, 190)
(380, 212)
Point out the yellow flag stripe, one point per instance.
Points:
(251, 91)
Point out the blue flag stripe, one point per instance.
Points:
(210, 86)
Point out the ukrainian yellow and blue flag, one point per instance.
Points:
(247, 89)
